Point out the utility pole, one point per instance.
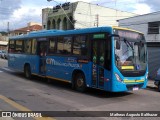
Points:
(8, 27)
(97, 20)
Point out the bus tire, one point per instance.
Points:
(27, 71)
(79, 82)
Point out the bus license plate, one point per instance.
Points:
(135, 88)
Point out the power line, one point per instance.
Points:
(100, 15)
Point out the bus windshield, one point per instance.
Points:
(131, 54)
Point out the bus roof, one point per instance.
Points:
(121, 28)
(53, 32)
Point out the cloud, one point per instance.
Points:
(154, 4)
(24, 15)
(7, 8)
(142, 8)
(63, 1)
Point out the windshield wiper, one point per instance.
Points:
(128, 44)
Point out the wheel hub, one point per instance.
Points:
(79, 82)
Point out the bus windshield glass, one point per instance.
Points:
(130, 51)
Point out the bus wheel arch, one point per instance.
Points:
(27, 71)
(79, 81)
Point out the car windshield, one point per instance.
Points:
(131, 54)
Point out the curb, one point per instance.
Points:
(151, 87)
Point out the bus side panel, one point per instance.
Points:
(11, 61)
(58, 67)
(15, 61)
(86, 68)
(107, 80)
(63, 67)
(18, 61)
(33, 60)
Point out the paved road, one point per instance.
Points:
(18, 93)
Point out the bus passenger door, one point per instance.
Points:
(42, 50)
(98, 53)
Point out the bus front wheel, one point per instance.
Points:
(27, 71)
(80, 84)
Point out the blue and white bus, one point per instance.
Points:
(107, 58)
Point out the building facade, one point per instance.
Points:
(3, 41)
(149, 24)
(79, 15)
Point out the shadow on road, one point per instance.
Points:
(152, 89)
(66, 86)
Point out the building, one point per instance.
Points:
(30, 27)
(3, 41)
(149, 24)
(80, 15)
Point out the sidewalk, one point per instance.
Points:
(151, 84)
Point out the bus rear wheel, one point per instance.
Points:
(80, 84)
(27, 71)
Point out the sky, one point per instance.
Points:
(20, 12)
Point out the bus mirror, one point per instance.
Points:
(118, 47)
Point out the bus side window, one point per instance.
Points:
(64, 45)
(11, 46)
(52, 46)
(34, 46)
(67, 45)
(19, 46)
(27, 46)
(80, 45)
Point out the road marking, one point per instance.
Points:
(22, 108)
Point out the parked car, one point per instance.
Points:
(157, 79)
(3, 54)
(6, 55)
(0, 53)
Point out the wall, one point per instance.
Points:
(140, 23)
(153, 61)
(88, 15)
(82, 15)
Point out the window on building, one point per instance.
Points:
(153, 27)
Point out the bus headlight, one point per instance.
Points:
(118, 77)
